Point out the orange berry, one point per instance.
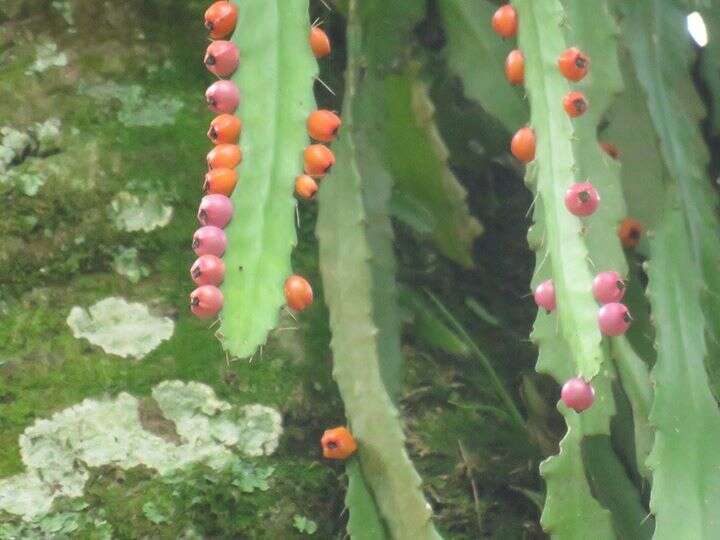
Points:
(610, 149)
(505, 22)
(305, 186)
(220, 19)
(298, 293)
(319, 42)
(338, 443)
(222, 181)
(573, 64)
(323, 125)
(630, 231)
(225, 129)
(515, 67)
(318, 160)
(575, 104)
(224, 156)
(522, 145)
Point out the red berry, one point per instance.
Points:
(319, 42)
(209, 241)
(338, 443)
(577, 394)
(208, 270)
(224, 156)
(573, 64)
(223, 97)
(545, 295)
(305, 186)
(225, 129)
(216, 210)
(582, 199)
(505, 22)
(323, 125)
(220, 181)
(318, 160)
(610, 149)
(614, 319)
(206, 301)
(630, 232)
(222, 58)
(522, 145)
(575, 104)
(515, 67)
(298, 293)
(220, 19)
(608, 287)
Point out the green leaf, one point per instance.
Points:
(304, 524)
(364, 522)
(350, 264)
(477, 55)
(660, 46)
(610, 484)
(428, 327)
(415, 154)
(684, 460)
(635, 380)
(552, 172)
(276, 81)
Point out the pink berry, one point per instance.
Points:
(608, 287)
(614, 319)
(223, 97)
(209, 241)
(577, 394)
(206, 301)
(222, 58)
(582, 199)
(216, 210)
(208, 270)
(545, 295)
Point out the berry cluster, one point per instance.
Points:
(581, 199)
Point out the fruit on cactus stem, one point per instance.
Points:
(630, 232)
(216, 210)
(298, 293)
(608, 287)
(220, 19)
(614, 319)
(338, 443)
(224, 156)
(319, 42)
(225, 129)
(208, 270)
(318, 160)
(209, 240)
(582, 199)
(323, 125)
(575, 104)
(505, 22)
(222, 58)
(305, 186)
(573, 64)
(221, 181)
(610, 149)
(577, 394)
(206, 301)
(223, 97)
(515, 67)
(522, 145)
(545, 295)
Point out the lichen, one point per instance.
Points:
(132, 213)
(125, 329)
(60, 451)
(137, 108)
(126, 263)
(46, 57)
